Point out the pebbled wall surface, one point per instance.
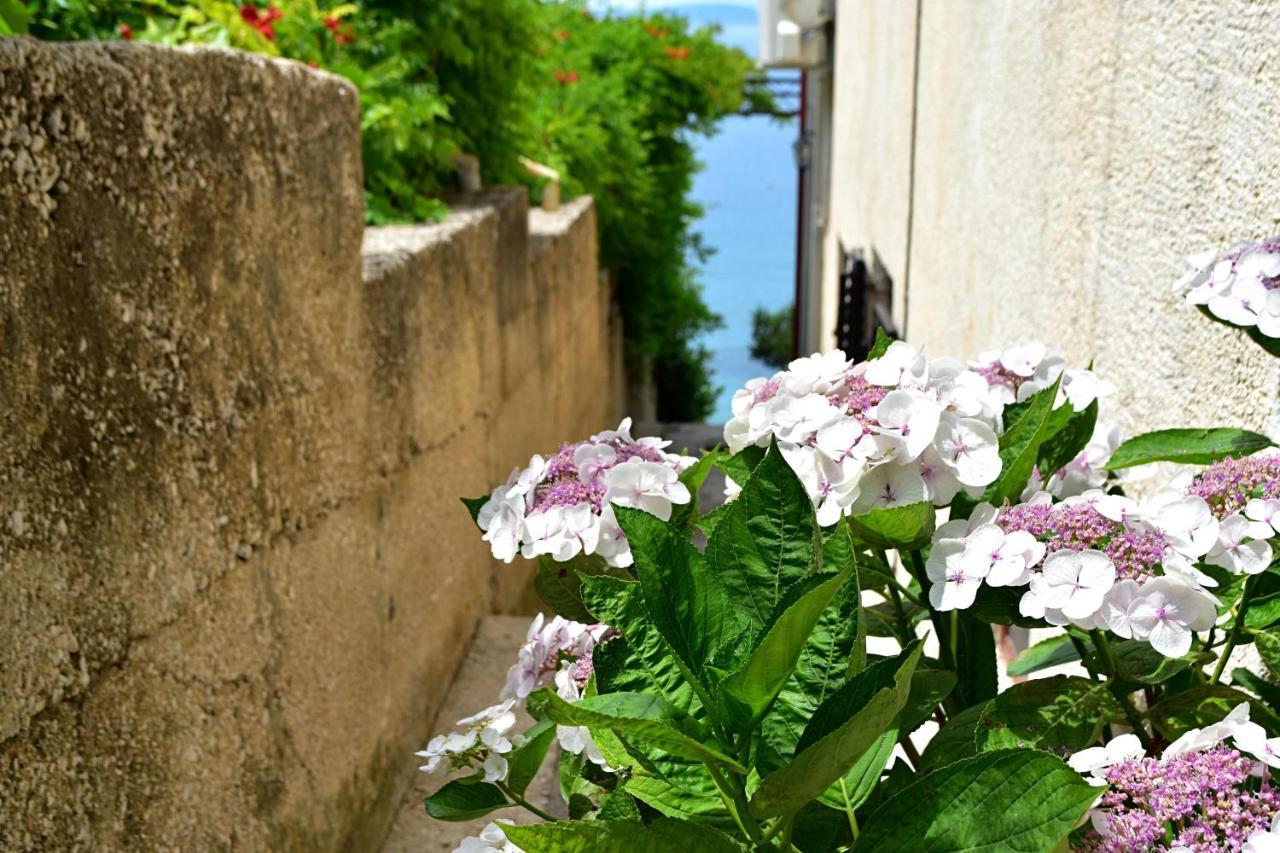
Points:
(234, 427)
(1038, 170)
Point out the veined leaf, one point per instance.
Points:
(1188, 446)
(1204, 704)
(642, 716)
(750, 691)
(618, 836)
(1064, 443)
(1063, 714)
(841, 730)
(1139, 663)
(1020, 446)
(956, 740)
(902, 527)
(1268, 645)
(686, 601)
(1015, 800)
(853, 788)
(767, 540)
(465, 799)
(1054, 651)
(738, 466)
(560, 583)
(524, 761)
(929, 687)
(683, 516)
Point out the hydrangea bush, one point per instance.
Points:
(711, 682)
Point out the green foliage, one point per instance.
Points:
(1188, 446)
(614, 103)
(773, 336)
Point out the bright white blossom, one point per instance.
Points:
(481, 741)
(546, 645)
(490, 840)
(1264, 840)
(1239, 287)
(1166, 611)
(1073, 583)
(1242, 547)
(1019, 371)
(1125, 747)
(1252, 738)
(562, 506)
(954, 576)
(576, 739)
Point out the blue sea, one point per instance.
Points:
(748, 188)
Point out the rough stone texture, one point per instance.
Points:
(1067, 155)
(237, 579)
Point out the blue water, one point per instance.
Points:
(748, 188)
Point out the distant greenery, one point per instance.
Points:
(613, 103)
(773, 336)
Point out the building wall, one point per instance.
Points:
(234, 427)
(1066, 156)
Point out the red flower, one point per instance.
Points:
(260, 20)
(680, 54)
(313, 65)
(562, 35)
(331, 23)
(340, 35)
(657, 31)
(126, 32)
(566, 78)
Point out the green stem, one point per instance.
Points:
(905, 634)
(1084, 656)
(789, 823)
(523, 803)
(1126, 701)
(848, 809)
(954, 640)
(1237, 625)
(736, 801)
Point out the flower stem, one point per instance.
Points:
(525, 804)
(1237, 626)
(1126, 701)
(736, 801)
(848, 809)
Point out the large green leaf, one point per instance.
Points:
(685, 600)
(902, 527)
(957, 739)
(559, 584)
(641, 716)
(674, 786)
(1188, 446)
(976, 658)
(738, 466)
(1062, 713)
(767, 540)
(640, 661)
(1263, 612)
(465, 799)
(618, 836)
(750, 692)
(1139, 663)
(1204, 704)
(1014, 800)
(929, 687)
(841, 730)
(1063, 442)
(825, 662)
(1052, 652)
(14, 18)
(881, 345)
(853, 788)
(1020, 445)
(524, 761)
(1268, 645)
(1264, 690)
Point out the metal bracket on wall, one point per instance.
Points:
(865, 303)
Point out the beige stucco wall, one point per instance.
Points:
(1066, 156)
(234, 427)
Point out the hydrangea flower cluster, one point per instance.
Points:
(562, 506)
(1094, 561)
(1200, 795)
(481, 742)
(548, 645)
(898, 429)
(1240, 286)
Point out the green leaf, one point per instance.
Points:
(465, 799)
(824, 664)
(838, 552)
(739, 466)
(1020, 445)
(1010, 800)
(619, 805)
(1268, 644)
(683, 516)
(929, 687)
(473, 505)
(976, 666)
(841, 730)
(559, 584)
(1063, 713)
(853, 788)
(642, 716)
(1267, 692)
(766, 541)
(957, 739)
(903, 527)
(1139, 663)
(640, 661)
(14, 18)
(881, 345)
(751, 691)
(524, 761)
(1187, 446)
(672, 785)
(1052, 652)
(1263, 612)
(1201, 705)
(685, 600)
(707, 523)
(618, 836)
(1064, 443)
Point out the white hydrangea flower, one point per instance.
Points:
(650, 486)
(954, 574)
(483, 740)
(490, 840)
(1198, 740)
(1073, 583)
(1167, 611)
(1252, 738)
(576, 739)
(1240, 287)
(1095, 760)
(1241, 547)
(547, 642)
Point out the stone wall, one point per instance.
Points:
(237, 578)
(1038, 170)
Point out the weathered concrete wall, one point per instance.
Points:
(1066, 156)
(236, 576)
